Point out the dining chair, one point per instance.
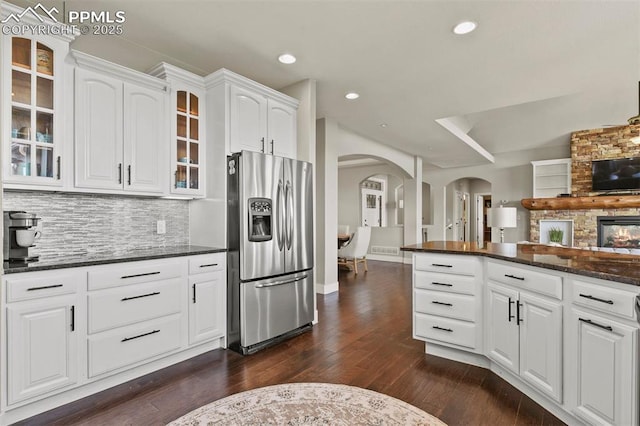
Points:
(356, 250)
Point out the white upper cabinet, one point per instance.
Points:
(34, 111)
(282, 126)
(258, 118)
(248, 123)
(99, 136)
(121, 134)
(188, 142)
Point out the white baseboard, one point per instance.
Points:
(327, 288)
(384, 258)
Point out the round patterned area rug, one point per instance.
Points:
(308, 404)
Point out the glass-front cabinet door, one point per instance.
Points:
(187, 152)
(187, 117)
(33, 114)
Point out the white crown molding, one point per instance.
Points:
(223, 75)
(171, 73)
(68, 35)
(84, 60)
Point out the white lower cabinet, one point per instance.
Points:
(70, 332)
(602, 345)
(42, 354)
(206, 321)
(207, 297)
(525, 336)
(43, 313)
(446, 309)
(604, 373)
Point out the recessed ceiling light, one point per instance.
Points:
(287, 58)
(383, 124)
(464, 27)
(352, 95)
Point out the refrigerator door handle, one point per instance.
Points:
(280, 217)
(275, 283)
(289, 216)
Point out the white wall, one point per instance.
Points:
(511, 179)
(327, 138)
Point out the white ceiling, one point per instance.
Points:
(533, 71)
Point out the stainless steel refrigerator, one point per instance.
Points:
(270, 242)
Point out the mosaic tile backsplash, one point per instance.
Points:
(79, 223)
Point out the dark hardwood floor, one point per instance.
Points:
(363, 338)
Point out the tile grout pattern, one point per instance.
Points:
(91, 223)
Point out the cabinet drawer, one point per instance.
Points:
(605, 299)
(118, 348)
(207, 263)
(463, 284)
(529, 279)
(135, 273)
(447, 263)
(120, 306)
(458, 306)
(446, 330)
(34, 285)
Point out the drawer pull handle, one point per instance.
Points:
(139, 275)
(443, 329)
(126, 339)
(597, 299)
(124, 299)
(441, 303)
(441, 265)
(604, 327)
(444, 284)
(45, 287)
(208, 264)
(514, 277)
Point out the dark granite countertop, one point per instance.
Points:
(623, 268)
(78, 260)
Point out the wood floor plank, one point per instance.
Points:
(363, 338)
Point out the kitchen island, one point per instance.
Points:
(560, 324)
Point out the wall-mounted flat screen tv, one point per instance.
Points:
(618, 174)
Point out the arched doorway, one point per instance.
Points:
(467, 202)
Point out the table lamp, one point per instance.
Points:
(504, 217)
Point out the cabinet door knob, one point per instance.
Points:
(272, 146)
(262, 140)
(59, 172)
(129, 175)
(120, 173)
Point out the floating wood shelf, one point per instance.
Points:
(583, 203)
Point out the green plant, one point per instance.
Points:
(555, 235)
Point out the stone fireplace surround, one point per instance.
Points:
(588, 145)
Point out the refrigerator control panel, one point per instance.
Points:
(260, 219)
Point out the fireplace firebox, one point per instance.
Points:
(619, 231)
